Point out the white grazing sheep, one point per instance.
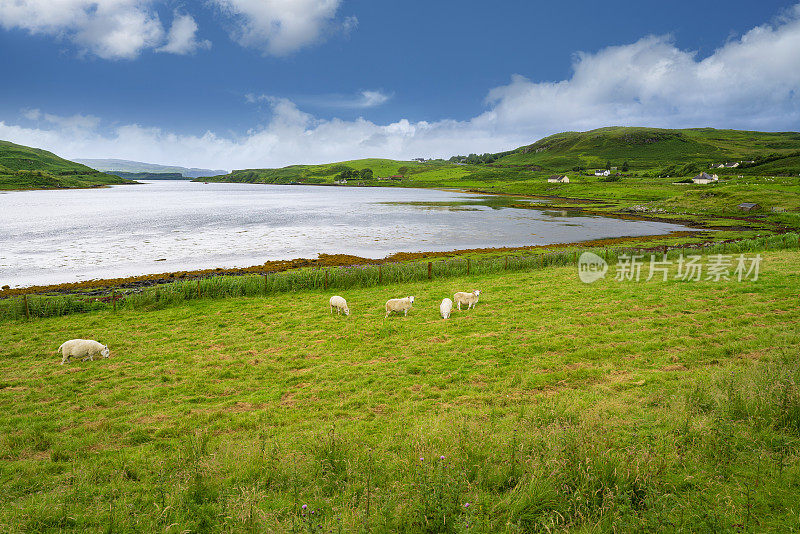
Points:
(340, 304)
(87, 348)
(399, 305)
(466, 298)
(445, 307)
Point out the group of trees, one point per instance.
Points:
(354, 174)
(474, 159)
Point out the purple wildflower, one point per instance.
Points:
(441, 457)
(466, 505)
(304, 506)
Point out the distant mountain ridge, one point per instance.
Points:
(122, 165)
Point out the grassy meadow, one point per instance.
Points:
(552, 406)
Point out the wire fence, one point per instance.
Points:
(359, 276)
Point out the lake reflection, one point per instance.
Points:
(73, 235)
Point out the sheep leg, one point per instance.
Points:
(405, 313)
(459, 306)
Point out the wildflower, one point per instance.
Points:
(466, 505)
(304, 506)
(421, 459)
(441, 457)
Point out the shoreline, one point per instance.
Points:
(102, 286)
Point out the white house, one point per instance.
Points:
(602, 172)
(705, 178)
(556, 179)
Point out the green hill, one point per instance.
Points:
(650, 148)
(645, 151)
(382, 170)
(22, 167)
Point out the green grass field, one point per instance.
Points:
(552, 406)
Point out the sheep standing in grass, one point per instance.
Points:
(86, 348)
(445, 308)
(399, 305)
(340, 304)
(469, 299)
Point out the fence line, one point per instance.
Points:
(324, 278)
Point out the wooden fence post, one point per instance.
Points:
(27, 308)
(430, 267)
(266, 283)
(114, 298)
(380, 273)
(468, 266)
(505, 267)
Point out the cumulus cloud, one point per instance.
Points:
(280, 27)
(110, 29)
(182, 37)
(750, 83)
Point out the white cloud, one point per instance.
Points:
(182, 37)
(753, 82)
(110, 29)
(280, 27)
(749, 83)
(361, 100)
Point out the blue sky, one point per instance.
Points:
(254, 83)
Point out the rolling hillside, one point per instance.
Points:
(648, 152)
(22, 167)
(647, 148)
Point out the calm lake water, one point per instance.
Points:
(74, 235)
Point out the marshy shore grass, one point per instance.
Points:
(552, 406)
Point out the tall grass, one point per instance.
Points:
(342, 278)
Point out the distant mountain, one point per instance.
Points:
(122, 165)
(149, 175)
(23, 167)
